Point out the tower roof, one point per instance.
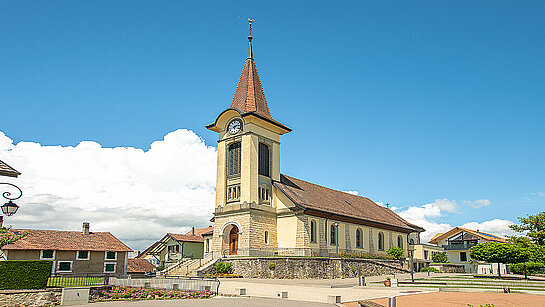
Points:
(249, 95)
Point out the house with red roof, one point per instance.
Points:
(72, 252)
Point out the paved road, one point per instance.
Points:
(216, 301)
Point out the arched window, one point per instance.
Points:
(264, 168)
(233, 159)
(380, 241)
(333, 237)
(313, 231)
(411, 241)
(359, 238)
(400, 241)
(266, 237)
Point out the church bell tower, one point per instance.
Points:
(248, 163)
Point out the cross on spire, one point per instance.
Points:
(250, 30)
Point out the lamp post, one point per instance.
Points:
(336, 238)
(9, 208)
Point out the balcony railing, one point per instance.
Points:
(460, 246)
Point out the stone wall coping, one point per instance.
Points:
(308, 258)
(20, 291)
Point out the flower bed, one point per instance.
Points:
(134, 293)
(223, 275)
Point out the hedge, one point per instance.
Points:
(24, 274)
(532, 268)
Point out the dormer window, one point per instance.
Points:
(233, 159)
(264, 163)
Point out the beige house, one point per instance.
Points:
(457, 242)
(260, 211)
(72, 252)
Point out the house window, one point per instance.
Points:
(426, 255)
(411, 241)
(82, 255)
(233, 161)
(333, 235)
(380, 241)
(233, 192)
(264, 194)
(463, 257)
(359, 238)
(109, 267)
(313, 231)
(266, 237)
(400, 241)
(207, 246)
(264, 168)
(173, 249)
(64, 266)
(111, 256)
(47, 255)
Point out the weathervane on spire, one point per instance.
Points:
(250, 21)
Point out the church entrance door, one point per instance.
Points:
(233, 241)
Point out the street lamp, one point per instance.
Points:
(336, 238)
(10, 208)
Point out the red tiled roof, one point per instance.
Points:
(186, 238)
(6, 170)
(200, 231)
(135, 265)
(67, 240)
(147, 250)
(314, 197)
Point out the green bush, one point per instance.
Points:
(429, 269)
(272, 265)
(223, 267)
(397, 253)
(532, 268)
(439, 257)
(24, 274)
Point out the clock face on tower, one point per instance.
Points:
(235, 126)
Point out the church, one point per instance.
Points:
(261, 212)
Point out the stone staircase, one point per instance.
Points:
(189, 267)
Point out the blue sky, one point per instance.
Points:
(404, 102)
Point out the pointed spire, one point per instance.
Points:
(250, 52)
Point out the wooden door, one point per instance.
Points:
(233, 241)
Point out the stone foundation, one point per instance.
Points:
(449, 267)
(319, 268)
(31, 298)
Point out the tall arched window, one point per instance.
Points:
(264, 168)
(380, 241)
(233, 159)
(411, 241)
(400, 241)
(359, 238)
(266, 237)
(313, 231)
(333, 235)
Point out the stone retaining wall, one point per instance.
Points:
(306, 267)
(449, 267)
(31, 298)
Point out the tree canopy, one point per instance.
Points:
(499, 252)
(534, 225)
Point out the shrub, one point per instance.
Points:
(272, 265)
(134, 293)
(532, 268)
(397, 253)
(223, 267)
(366, 256)
(429, 269)
(439, 257)
(24, 274)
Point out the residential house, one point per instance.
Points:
(423, 253)
(457, 242)
(72, 252)
(174, 247)
(139, 268)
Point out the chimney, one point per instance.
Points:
(85, 229)
(193, 231)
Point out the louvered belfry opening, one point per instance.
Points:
(234, 159)
(264, 162)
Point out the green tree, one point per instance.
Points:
(536, 252)
(535, 227)
(499, 252)
(439, 257)
(7, 236)
(397, 253)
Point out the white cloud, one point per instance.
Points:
(477, 203)
(427, 215)
(135, 194)
(352, 192)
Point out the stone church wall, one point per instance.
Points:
(326, 268)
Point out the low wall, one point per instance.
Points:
(449, 267)
(320, 268)
(33, 298)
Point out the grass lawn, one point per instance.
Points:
(74, 281)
